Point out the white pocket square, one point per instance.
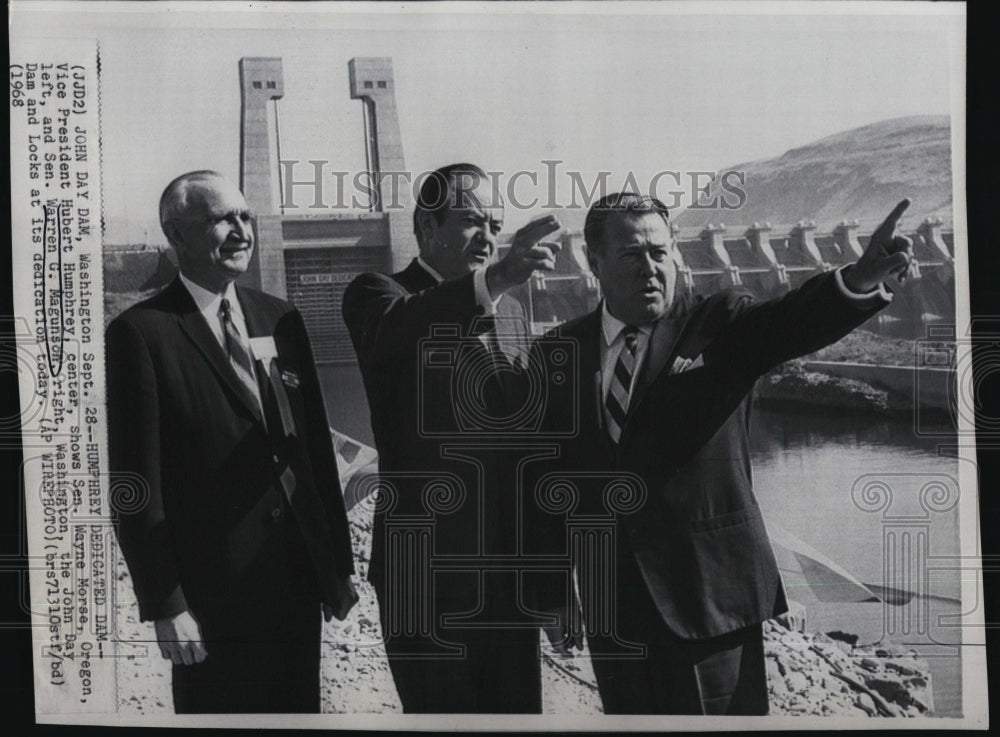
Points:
(682, 364)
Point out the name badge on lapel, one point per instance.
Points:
(290, 378)
(263, 349)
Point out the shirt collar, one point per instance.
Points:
(429, 269)
(208, 302)
(611, 326)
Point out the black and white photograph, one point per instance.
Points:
(551, 366)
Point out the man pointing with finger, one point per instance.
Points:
(674, 623)
(440, 663)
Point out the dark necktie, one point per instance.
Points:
(239, 352)
(617, 400)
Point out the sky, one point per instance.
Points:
(632, 88)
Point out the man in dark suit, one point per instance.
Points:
(225, 488)
(441, 349)
(674, 620)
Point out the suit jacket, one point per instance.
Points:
(691, 520)
(431, 381)
(201, 481)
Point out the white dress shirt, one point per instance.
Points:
(880, 291)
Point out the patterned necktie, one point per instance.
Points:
(239, 352)
(616, 403)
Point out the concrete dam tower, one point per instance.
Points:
(307, 255)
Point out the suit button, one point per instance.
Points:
(275, 458)
(276, 514)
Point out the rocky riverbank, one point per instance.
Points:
(830, 675)
(882, 381)
(792, 385)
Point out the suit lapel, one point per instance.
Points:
(662, 343)
(194, 326)
(591, 397)
(415, 278)
(273, 394)
(258, 327)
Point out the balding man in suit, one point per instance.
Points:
(239, 543)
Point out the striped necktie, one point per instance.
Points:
(239, 352)
(616, 403)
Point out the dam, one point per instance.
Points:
(308, 255)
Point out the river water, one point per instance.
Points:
(881, 502)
